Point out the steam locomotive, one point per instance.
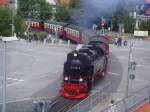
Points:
(83, 67)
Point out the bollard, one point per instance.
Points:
(38, 106)
(44, 42)
(52, 42)
(68, 43)
(60, 42)
(125, 43)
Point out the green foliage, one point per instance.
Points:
(36, 9)
(45, 11)
(129, 24)
(121, 16)
(145, 26)
(62, 13)
(6, 21)
(41, 35)
(20, 27)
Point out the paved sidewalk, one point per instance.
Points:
(106, 102)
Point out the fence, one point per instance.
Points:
(29, 105)
(91, 101)
(129, 103)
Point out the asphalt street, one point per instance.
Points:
(30, 68)
(35, 70)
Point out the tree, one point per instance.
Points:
(6, 21)
(41, 35)
(121, 16)
(19, 25)
(129, 24)
(145, 25)
(45, 11)
(62, 13)
(36, 9)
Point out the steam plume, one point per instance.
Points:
(92, 10)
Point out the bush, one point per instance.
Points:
(41, 35)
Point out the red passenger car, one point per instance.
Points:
(34, 25)
(73, 33)
(55, 27)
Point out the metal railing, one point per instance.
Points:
(29, 105)
(44, 104)
(95, 98)
(128, 104)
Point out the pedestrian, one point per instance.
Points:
(125, 42)
(119, 41)
(116, 41)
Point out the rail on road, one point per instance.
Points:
(92, 100)
(45, 104)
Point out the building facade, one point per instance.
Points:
(52, 2)
(148, 7)
(4, 2)
(64, 2)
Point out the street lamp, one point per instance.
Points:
(13, 6)
(5, 40)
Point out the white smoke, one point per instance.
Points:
(92, 10)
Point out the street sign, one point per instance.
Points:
(132, 76)
(133, 65)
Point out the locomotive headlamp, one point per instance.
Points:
(66, 78)
(75, 54)
(80, 80)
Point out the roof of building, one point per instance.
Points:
(56, 22)
(148, 1)
(144, 108)
(52, 2)
(148, 11)
(65, 2)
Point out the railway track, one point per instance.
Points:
(61, 104)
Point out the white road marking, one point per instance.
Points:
(14, 83)
(139, 65)
(14, 79)
(116, 74)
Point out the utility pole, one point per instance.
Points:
(129, 68)
(4, 80)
